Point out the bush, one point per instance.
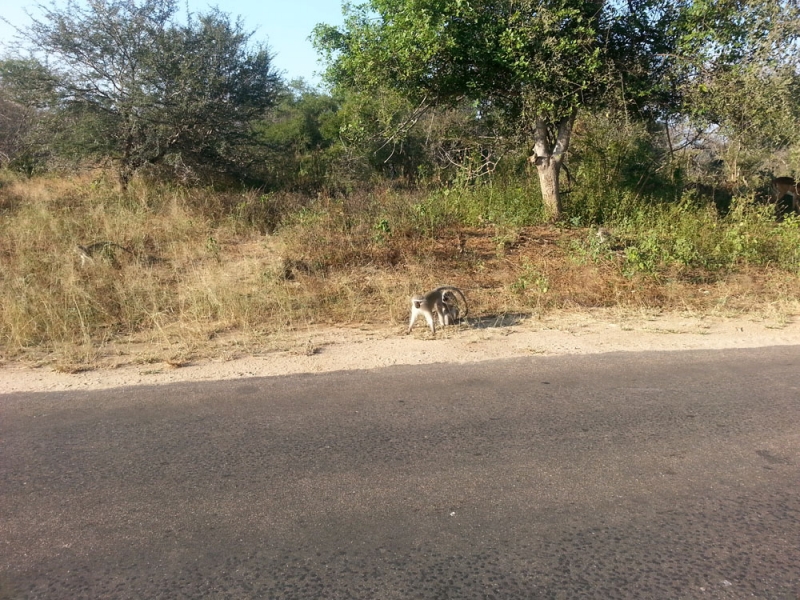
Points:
(686, 235)
(616, 168)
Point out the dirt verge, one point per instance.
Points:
(330, 349)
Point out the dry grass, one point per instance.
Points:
(194, 273)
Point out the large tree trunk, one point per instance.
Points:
(548, 158)
(548, 169)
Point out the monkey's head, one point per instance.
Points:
(449, 297)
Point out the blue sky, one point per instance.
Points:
(284, 25)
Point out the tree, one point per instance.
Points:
(156, 90)
(299, 135)
(14, 124)
(741, 77)
(401, 142)
(536, 62)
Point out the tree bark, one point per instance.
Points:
(125, 170)
(548, 170)
(549, 158)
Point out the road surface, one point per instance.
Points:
(656, 475)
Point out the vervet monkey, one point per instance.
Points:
(443, 301)
(452, 312)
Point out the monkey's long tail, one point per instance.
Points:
(464, 299)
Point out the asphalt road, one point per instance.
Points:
(660, 475)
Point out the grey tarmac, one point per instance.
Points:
(627, 475)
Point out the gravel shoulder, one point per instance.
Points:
(348, 348)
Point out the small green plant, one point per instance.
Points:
(433, 213)
(598, 246)
(503, 239)
(382, 230)
(640, 259)
(502, 202)
(531, 279)
(213, 247)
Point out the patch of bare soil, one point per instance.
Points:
(318, 350)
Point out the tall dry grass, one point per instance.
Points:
(187, 268)
(180, 267)
(163, 267)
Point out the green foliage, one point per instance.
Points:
(544, 54)
(722, 34)
(379, 135)
(739, 68)
(28, 82)
(511, 202)
(531, 281)
(535, 63)
(642, 38)
(506, 203)
(443, 95)
(301, 137)
(125, 81)
(421, 144)
(341, 142)
(618, 164)
(685, 236)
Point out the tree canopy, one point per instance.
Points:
(145, 88)
(539, 62)
(422, 91)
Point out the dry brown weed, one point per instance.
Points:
(197, 278)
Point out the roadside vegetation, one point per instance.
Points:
(134, 212)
